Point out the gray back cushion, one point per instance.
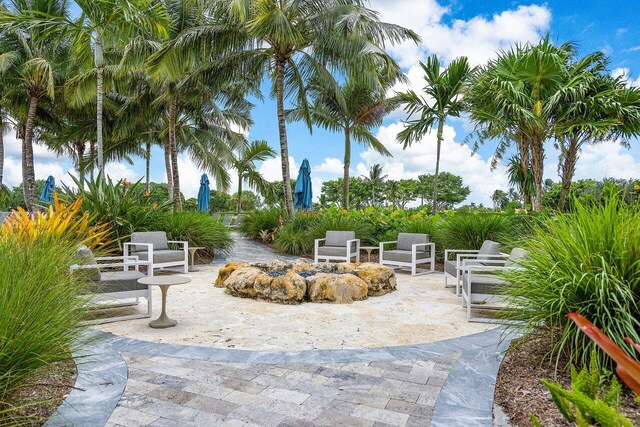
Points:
(86, 257)
(339, 238)
(489, 247)
(515, 257)
(157, 238)
(407, 240)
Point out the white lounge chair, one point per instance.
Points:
(412, 249)
(489, 250)
(338, 246)
(153, 246)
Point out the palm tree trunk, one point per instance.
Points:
(81, 166)
(347, 164)
(98, 56)
(167, 166)
(435, 175)
(177, 202)
(537, 162)
(147, 169)
(28, 174)
(92, 154)
(523, 150)
(282, 129)
(239, 202)
(568, 168)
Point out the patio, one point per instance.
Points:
(408, 359)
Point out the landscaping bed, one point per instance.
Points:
(520, 392)
(42, 396)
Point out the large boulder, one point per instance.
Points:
(241, 282)
(289, 288)
(336, 288)
(380, 280)
(225, 272)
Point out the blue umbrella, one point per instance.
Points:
(303, 191)
(47, 192)
(203, 194)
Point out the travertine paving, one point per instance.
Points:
(171, 391)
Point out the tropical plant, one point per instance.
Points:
(49, 328)
(588, 402)
(296, 42)
(294, 237)
(584, 262)
(444, 98)
(122, 205)
(375, 180)
(243, 163)
(197, 228)
(264, 220)
(353, 109)
(469, 230)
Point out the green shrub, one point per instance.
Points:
(294, 237)
(469, 230)
(586, 262)
(197, 228)
(124, 206)
(257, 221)
(41, 309)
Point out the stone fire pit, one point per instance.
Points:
(295, 282)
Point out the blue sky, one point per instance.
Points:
(464, 27)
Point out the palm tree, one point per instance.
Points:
(601, 107)
(294, 43)
(375, 179)
(521, 179)
(243, 163)
(515, 97)
(353, 109)
(29, 61)
(444, 98)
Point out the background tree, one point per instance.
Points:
(244, 164)
(451, 190)
(444, 98)
(500, 199)
(400, 193)
(375, 180)
(354, 109)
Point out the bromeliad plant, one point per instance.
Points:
(61, 222)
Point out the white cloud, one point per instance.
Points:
(330, 165)
(625, 73)
(13, 171)
(420, 158)
(271, 169)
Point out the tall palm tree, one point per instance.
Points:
(29, 63)
(444, 92)
(295, 42)
(243, 163)
(102, 27)
(521, 179)
(354, 109)
(601, 107)
(375, 179)
(514, 98)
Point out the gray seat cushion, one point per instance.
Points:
(333, 251)
(339, 238)
(162, 256)
(407, 240)
(117, 281)
(403, 255)
(483, 283)
(157, 238)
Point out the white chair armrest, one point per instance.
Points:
(109, 265)
(460, 258)
(179, 242)
(125, 257)
(350, 243)
(129, 244)
(455, 251)
(388, 243)
(432, 246)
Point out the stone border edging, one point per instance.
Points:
(102, 378)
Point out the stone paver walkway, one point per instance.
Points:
(248, 250)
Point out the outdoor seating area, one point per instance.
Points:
(319, 213)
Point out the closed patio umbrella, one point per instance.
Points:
(47, 192)
(203, 194)
(303, 191)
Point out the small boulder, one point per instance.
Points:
(336, 288)
(225, 272)
(380, 280)
(241, 282)
(287, 289)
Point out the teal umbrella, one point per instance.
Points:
(303, 191)
(47, 192)
(203, 194)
